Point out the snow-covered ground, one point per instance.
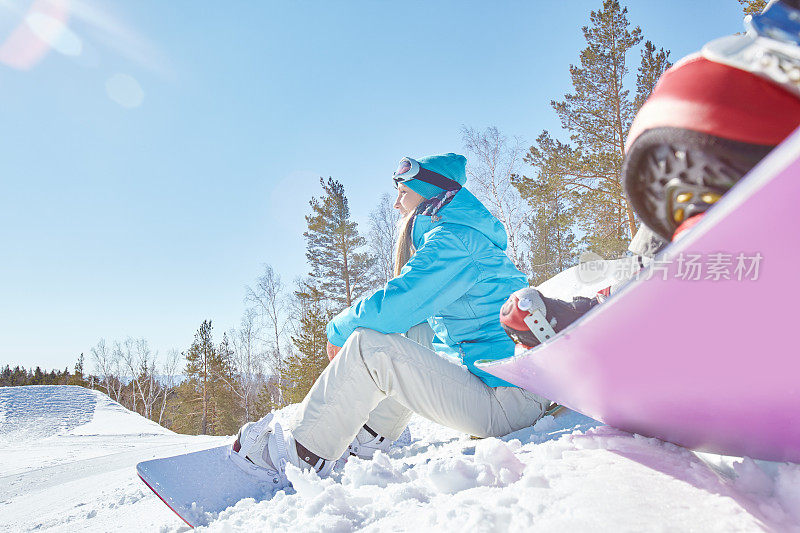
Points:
(67, 458)
(67, 462)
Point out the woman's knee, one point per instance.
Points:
(521, 408)
(367, 342)
(366, 336)
(421, 334)
(378, 349)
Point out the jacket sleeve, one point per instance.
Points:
(439, 272)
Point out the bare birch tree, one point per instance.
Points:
(247, 360)
(493, 160)
(118, 384)
(147, 380)
(104, 365)
(169, 380)
(382, 238)
(128, 356)
(269, 300)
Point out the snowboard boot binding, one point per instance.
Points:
(673, 175)
(711, 118)
(531, 319)
(264, 453)
(368, 441)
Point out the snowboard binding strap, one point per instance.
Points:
(523, 317)
(315, 461)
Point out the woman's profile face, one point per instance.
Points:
(407, 200)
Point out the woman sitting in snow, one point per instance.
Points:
(411, 346)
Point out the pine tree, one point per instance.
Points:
(332, 247)
(552, 243)
(653, 64)
(753, 7)
(340, 273)
(225, 413)
(304, 365)
(199, 363)
(205, 400)
(77, 377)
(598, 114)
(269, 396)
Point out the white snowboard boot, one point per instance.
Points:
(367, 442)
(264, 452)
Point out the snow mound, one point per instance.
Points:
(40, 412)
(68, 460)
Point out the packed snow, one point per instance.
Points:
(68, 456)
(67, 461)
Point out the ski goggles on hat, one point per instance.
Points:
(409, 169)
(770, 48)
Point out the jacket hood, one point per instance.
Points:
(458, 207)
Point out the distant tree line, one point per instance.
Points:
(555, 199)
(19, 375)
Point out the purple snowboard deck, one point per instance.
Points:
(710, 364)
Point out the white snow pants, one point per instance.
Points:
(379, 379)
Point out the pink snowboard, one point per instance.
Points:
(710, 364)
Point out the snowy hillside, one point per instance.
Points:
(67, 458)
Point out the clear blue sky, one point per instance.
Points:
(163, 151)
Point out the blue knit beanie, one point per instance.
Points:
(449, 165)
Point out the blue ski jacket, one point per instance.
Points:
(457, 280)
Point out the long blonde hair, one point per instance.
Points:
(404, 248)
